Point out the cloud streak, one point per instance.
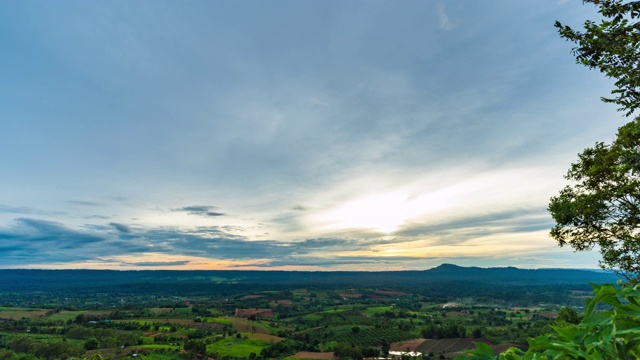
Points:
(201, 210)
(443, 18)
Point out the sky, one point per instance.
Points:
(290, 135)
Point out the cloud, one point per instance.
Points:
(464, 228)
(49, 231)
(100, 217)
(84, 203)
(29, 242)
(445, 23)
(196, 208)
(121, 227)
(321, 243)
(202, 210)
(214, 214)
(41, 241)
(34, 241)
(26, 210)
(160, 263)
(332, 261)
(516, 218)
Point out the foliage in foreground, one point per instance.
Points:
(610, 334)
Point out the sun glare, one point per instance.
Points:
(383, 213)
(387, 212)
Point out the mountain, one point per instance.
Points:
(520, 276)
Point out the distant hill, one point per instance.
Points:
(234, 281)
(521, 276)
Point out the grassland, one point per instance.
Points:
(237, 347)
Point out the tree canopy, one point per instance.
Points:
(602, 206)
(613, 47)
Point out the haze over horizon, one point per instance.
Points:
(326, 135)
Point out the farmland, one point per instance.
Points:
(277, 321)
(307, 327)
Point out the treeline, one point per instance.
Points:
(231, 282)
(448, 331)
(26, 348)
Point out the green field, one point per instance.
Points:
(312, 317)
(232, 346)
(376, 310)
(219, 320)
(333, 311)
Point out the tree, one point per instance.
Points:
(385, 347)
(603, 207)
(613, 47)
(196, 346)
(22, 344)
(345, 350)
(568, 315)
(91, 344)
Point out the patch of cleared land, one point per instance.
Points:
(385, 292)
(412, 345)
(19, 313)
(254, 312)
(448, 345)
(311, 355)
(351, 296)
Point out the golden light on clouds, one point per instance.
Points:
(386, 212)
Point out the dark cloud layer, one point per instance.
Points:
(202, 210)
(34, 241)
(121, 227)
